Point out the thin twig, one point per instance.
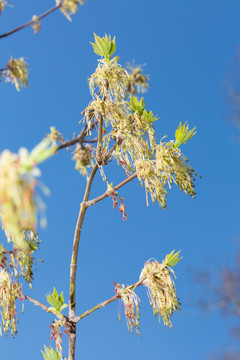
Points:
(99, 144)
(109, 192)
(74, 141)
(79, 139)
(106, 302)
(45, 308)
(29, 23)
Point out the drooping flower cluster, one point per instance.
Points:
(2, 5)
(16, 72)
(83, 158)
(18, 199)
(56, 334)
(170, 166)
(131, 306)
(129, 120)
(20, 261)
(69, 7)
(127, 123)
(9, 292)
(138, 82)
(122, 207)
(161, 289)
(55, 136)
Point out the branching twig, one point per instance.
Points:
(79, 139)
(104, 303)
(45, 308)
(74, 141)
(29, 23)
(108, 192)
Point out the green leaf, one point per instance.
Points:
(172, 259)
(42, 151)
(149, 116)
(56, 301)
(104, 46)
(137, 106)
(50, 354)
(182, 134)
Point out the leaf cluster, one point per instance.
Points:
(104, 46)
(56, 301)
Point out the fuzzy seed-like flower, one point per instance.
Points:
(69, 7)
(83, 159)
(17, 73)
(131, 306)
(9, 292)
(161, 290)
(18, 200)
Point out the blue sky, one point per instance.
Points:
(187, 47)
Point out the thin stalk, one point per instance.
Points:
(104, 303)
(79, 139)
(78, 229)
(99, 145)
(73, 266)
(44, 307)
(109, 192)
(29, 23)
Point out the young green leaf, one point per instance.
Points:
(104, 46)
(172, 259)
(56, 300)
(182, 134)
(50, 354)
(137, 106)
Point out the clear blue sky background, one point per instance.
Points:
(187, 46)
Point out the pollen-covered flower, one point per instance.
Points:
(55, 136)
(131, 306)
(36, 24)
(172, 166)
(17, 73)
(9, 292)
(161, 289)
(83, 159)
(138, 82)
(69, 7)
(18, 199)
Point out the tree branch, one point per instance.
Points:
(45, 308)
(31, 22)
(77, 234)
(109, 192)
(78, 229)
(79, 139)
(106, 302)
